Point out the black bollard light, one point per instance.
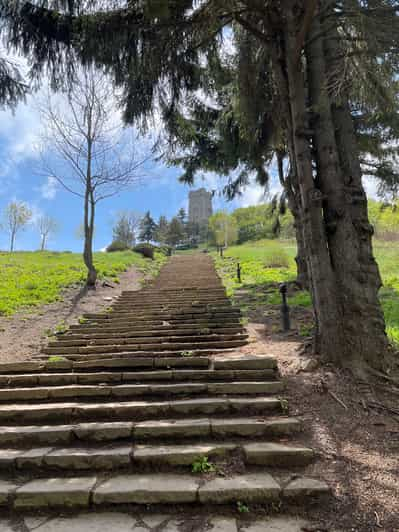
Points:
(238, 272)
(221, 251)
(285, 309)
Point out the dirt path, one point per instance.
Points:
(354, 428)
(26, 332)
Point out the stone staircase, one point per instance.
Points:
(120, 407)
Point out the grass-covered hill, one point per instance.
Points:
(29, 279)
(265, 262)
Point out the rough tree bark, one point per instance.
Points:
(358, 272)
(288, 183)
(343, 274)
(329, 340)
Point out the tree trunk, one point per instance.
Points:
(329, 338)
(350, 235)
(343, 274)
(43, 243)
(88, 244)
(12, 241)
(287, 183)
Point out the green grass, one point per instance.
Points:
(266, 263)
(30, 279)
(262, 262)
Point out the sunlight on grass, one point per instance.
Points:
(269, 262)
(29, 279)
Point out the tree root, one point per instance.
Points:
(382, 375)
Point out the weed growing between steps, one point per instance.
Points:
(30, 279)
(202, 465)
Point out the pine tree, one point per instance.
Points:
(175, 232)
(162, 230)
(181, 215)
(147, 228)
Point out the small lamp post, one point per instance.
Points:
(285, 310)
(238, 272)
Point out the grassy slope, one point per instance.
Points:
(271, 261)
(30, 279)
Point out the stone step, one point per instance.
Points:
(136, 361)
(133, 456)
(61, 379)
(121, 340)
(120, 361)
(86, 328)
(131, 348)
(192, 313)
(122, 410)
(175, 304)
(126, 361)
(144, 355)
(143, 431)
(163, 488)
(96, 520)
(122, 391)
(77, 334)
(130, 325)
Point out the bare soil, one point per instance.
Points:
(352, 426)
(25, 333)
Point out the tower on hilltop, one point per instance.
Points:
(199, 206)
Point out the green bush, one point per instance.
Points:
(117, 246)
(147, 250)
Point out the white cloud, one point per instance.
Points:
(49, 189)
(370, 184)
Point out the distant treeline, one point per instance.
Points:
(270, 221)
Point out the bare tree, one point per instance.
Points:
(46, 226)
(16, 216)
(126, 226)
(87, 150)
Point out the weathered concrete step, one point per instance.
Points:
(163, 488)
(167, 429)
(129, 361)
(175, 304)
(131, 456)
(161, 332)
(132, 339)
(245, 362)
(120, 361)
(118, 410)
(164, 314)
(121, 391)
(86, 328)
(150, 324)
(96, 520)
(174, 354)
(172, 320)
(165, 346)
(99, 377)
(262, 453)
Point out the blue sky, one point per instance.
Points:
(20, 179)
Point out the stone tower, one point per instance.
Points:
(199, 206)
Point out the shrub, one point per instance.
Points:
(147, 250)
(117, 246)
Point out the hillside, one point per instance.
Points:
(30, 279)
(272, 261)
